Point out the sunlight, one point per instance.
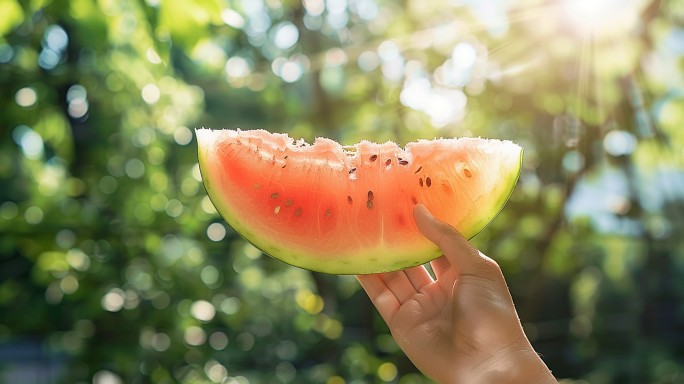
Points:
(602, 17)
(590, 11)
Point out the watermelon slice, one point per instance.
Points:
(349, 210)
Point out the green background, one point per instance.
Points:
(109, 271)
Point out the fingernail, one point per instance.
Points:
(425, 211)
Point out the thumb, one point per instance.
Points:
(463, 256)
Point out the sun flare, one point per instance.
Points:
(602, 17)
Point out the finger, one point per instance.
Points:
(443, 269)
(419, 277)
(383, 299)
(399, 284)
(462, 255)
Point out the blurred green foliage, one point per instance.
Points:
(115, 267)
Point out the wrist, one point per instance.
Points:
(515, 364)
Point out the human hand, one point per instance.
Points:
(463, 327)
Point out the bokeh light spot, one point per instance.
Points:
(19, 132)
(65, 238)
(9, 210)
(78, 109)
(108, 185)
(189, 187)
(202, 310)
(151, 93)
(308, 301)
(6, 53)
(286, 371)
(251, 251)
(237, 67)
(286, 35)
(172, 247)
(174, 208)
(115, 165)
(464, 55)
(619, 143)
(291, 72)
(53, 293)
(251, 277)
(107, 377)
(314, 7)
(337, 20)
(78, 105)
(230, 305)
(232, 18)
(75, 93)
(215, 371)
(210, 275)
(218, 340)
(387, 372)
(245, 341)
(277, 65)
(286, 350)
(161, 342)
(208, 206)
(195, 336)
(152, 56)
(335, 57)
(48, 59)
(56, 38)
(158, 202)
(135, 168)
(78, 260)
(388, 50)
(196, 173)
(113, 301)
(156, 155)
(31, 144)
(368, 61)
(366, 9)
(333, 329)
(216, 231)
(573, 161)
(393, 69)
(69, 284)
(313, 23)
(33, 215)
(182, 135)
(26, 97)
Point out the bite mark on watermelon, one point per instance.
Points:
(298, 202)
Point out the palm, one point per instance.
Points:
(444, 327)
(463, 319)
(419, 323)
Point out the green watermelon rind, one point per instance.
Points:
(502, 202)
(342, 267)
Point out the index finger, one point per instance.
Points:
(382, 297)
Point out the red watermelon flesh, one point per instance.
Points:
(349, 210)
